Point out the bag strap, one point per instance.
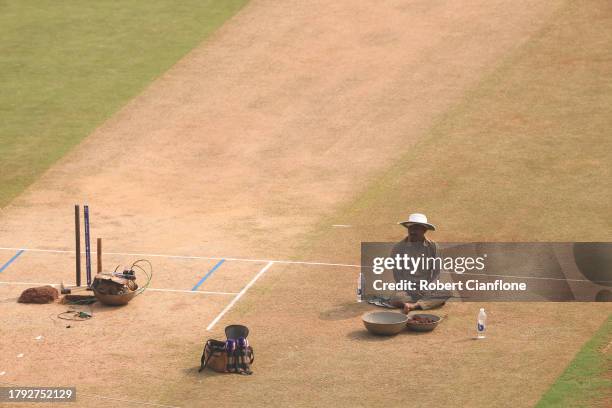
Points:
(210, 353)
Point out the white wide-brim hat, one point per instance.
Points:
(417, 218)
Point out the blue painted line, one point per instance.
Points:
(10, 261)
(205, 276)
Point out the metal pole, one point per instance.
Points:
(87, 246)
(77, 239)
(99, 254)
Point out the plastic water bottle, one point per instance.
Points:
(481, 327)
(359, 288)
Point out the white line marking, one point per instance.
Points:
(520, 277)
(60, 251)
(203, 292)
(285, 262)
(239, 295)
(29, 283)
(341, 226)
(190, 291)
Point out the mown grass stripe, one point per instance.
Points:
(587, 379)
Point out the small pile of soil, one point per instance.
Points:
(40, 295)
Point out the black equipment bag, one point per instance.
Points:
(234, 355)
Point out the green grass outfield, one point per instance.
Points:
(67, 66)
(587, 381)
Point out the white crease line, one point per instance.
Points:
(30, 283)
(289, 263)
(202, 292)
(214, 258)
(239, 295)
(190, 291)
(58, 251)
(521, 277)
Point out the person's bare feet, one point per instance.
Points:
(408, 307)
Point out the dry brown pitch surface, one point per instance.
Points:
(244, 149)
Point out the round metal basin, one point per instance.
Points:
(384, 323)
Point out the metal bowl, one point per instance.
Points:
(423, 327)
(384, 323)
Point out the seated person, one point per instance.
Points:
(416, 245)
